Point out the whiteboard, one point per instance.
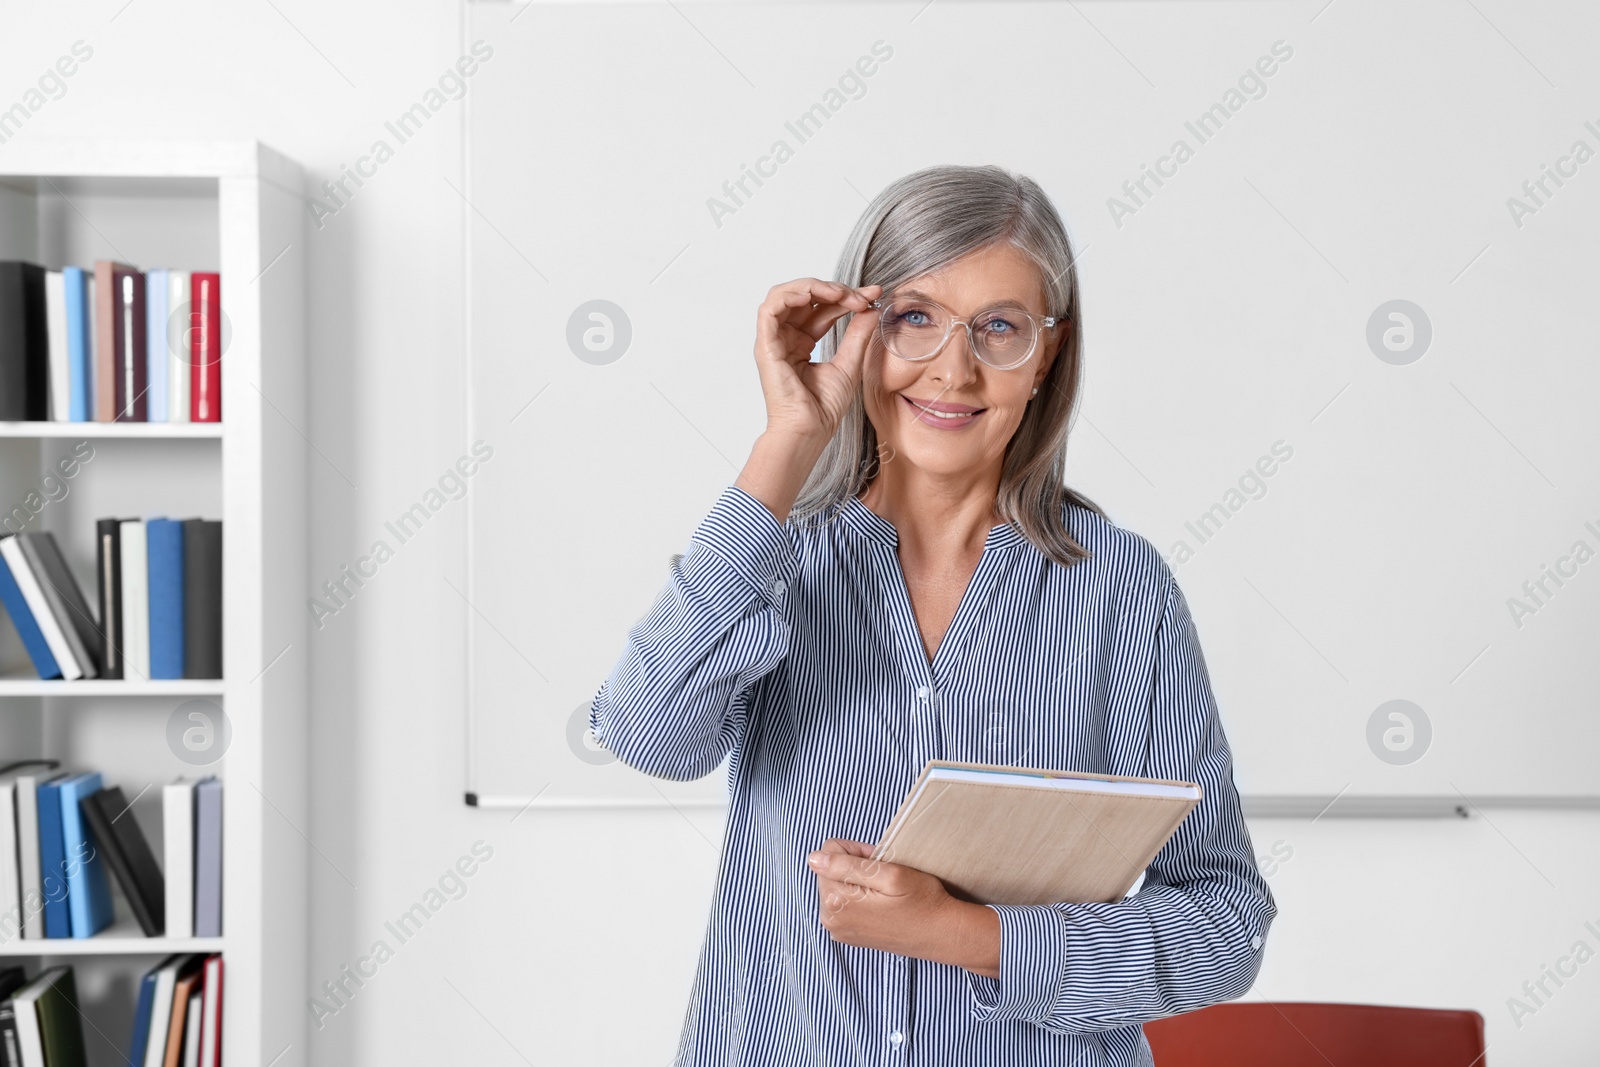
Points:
(1234, 318)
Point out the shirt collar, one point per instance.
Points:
(868, 523)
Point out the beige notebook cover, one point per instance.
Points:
(1016, 835)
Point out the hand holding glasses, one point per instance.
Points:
(914, 328)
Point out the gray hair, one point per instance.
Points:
(918, 224)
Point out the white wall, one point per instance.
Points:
(576, 941)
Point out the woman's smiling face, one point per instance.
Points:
(898, 393)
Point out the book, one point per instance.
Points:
(188, 980)
(28, 851)
(49, 1022)
(91, 345)
(177, 847)
(1014, 835)
(179, 321)
(24, 343)
(108, 583)
(141, 1015)
(88, 887)
(38, 607)
(33, 640)
(155, 345)
(80, 342)
(135, 601)
(205, 382)
(191, 1034)
(61, 590)
(55, 321)
(164, 549)
(11, 910)
(155, 1046)
(202, 598)
(53, 859)
(211, 1015)
(25, 1014)
(208, 857)
(118, 837)
(108, 336)
(30, 584)
(131, 384)
(11, 980)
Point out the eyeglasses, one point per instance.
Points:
(914, 328)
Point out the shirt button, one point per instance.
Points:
(922, 692)
(895, 1037)
(1255, 942)
(778, 587)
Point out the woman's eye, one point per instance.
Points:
(1000, 326)
(915, 318)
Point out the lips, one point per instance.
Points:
(943, 415)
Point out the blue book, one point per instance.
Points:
(88, 888)
(80, 345)
(53, 860)
(155, 349)
(141, 1017)
(164, 550)
(32, 639)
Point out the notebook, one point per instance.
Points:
(1015, 835)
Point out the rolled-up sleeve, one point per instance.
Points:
(1194, 933)
(675, 701)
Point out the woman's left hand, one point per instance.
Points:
(899, 909)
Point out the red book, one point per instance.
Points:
(212, 1013)
(211, 1010)
(205, 352)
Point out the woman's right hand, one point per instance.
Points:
(806, 400)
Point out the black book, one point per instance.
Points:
(202, 598)
(108, 580)
(130, 385)
(117, 834)
(11, 979)
(61, 578)
(24, 343)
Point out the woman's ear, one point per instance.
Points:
(1051, 353)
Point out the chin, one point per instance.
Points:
(933, 459)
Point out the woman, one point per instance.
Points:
(897, 575)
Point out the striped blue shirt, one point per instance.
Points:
(793, 650)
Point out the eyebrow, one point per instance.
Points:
(1007, 303)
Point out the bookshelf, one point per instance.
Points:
(98, 430)
(236, 207)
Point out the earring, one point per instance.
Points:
(1035, 390)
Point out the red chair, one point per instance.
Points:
(1256, 1034)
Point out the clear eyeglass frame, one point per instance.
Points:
(1040, 324)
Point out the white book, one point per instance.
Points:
(30, 1042)
(178, 368)
(32, 880)
(55, 321)
(135, 601)
(43, 617)
(11, 918)
(155, 1048)
(177, 846)
(191, 1031)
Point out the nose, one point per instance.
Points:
(956, 363)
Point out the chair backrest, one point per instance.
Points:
(1259, 1034)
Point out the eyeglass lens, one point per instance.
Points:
(914, 329)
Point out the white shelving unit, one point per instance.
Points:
(237, 207)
